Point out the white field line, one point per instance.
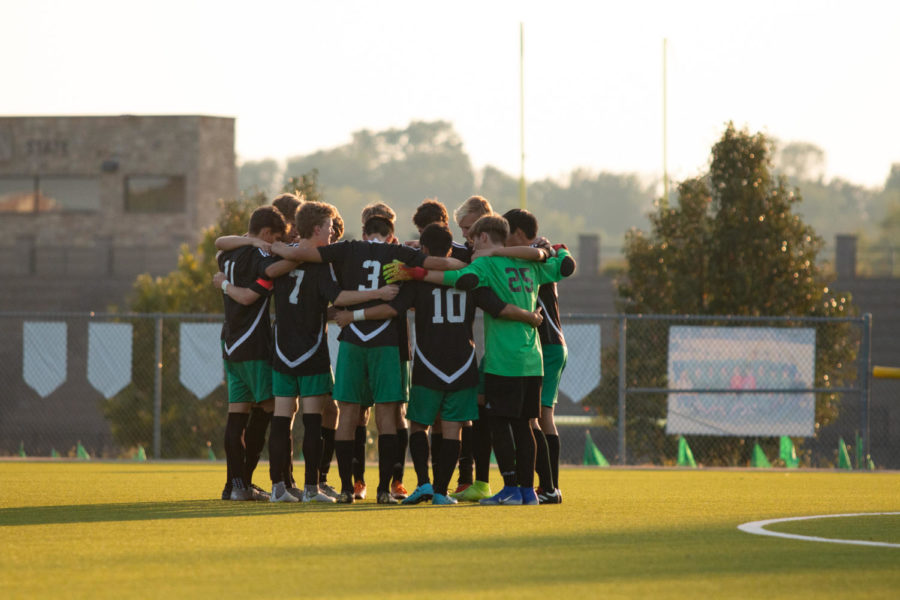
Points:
(758, 528)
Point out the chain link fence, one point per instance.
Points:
(638, 389)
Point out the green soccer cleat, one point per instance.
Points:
(474, 493)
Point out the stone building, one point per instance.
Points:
(88, 203)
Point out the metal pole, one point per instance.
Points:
(622, 387)
(157, 390)
(665, 142)
(865, 361)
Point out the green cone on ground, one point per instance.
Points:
(81, 452)
(685, 456)
(759, 458)
(592, 454)
(787, 453)
(21, 451)
(843, 456)
(54, 453)
(141, 454)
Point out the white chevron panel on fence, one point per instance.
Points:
(200, 358)
(109, 357)
(582, 372)
(44, 356)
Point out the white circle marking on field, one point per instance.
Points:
(758, 528)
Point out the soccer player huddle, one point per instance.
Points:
(502, 404)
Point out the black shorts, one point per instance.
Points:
(513, 397)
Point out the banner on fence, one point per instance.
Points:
(109, 357)
(200, 358)
(741, 358)
(44, 355)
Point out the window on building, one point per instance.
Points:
(68, 194)
(49, 193)
(17, 194)
(155, 194)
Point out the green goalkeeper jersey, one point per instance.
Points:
(512, 348)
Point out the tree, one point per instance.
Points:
(731, 246)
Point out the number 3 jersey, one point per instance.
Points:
(358, 265)
(301, 312)
(445, 344)
(246, 332)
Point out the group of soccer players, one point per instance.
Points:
(504, 403)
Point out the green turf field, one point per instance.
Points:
(94, 530)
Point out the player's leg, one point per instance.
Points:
(524, 437)
(259, 377)
(503, 401)
(555, 358)
(424, 404)
(466, 457)
(312, 439)
(458, 408)
(437, 438)
(481, 450)
(280, 442)
(329, 425)
(360, 435)
(240, 399)
(398, 490)
(542, 458)
(385, 378)
(351, 392)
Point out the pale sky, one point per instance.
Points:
(300, 76)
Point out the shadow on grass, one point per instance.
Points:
(180, 509)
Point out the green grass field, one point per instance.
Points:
(96, 530)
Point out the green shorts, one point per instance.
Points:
(291, 386)
(248, 381)
(425, 404)
(555, 357)
(367, 376)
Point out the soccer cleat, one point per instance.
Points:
(258, 494)
(386, 498)
(398, 491)
(226, 493)
(421, 494)
(549, 497)
(509, 495)
(442, 499)
(461, 488)
(346, 498)
(318, 497)
(529, 497)
(296, 492)
(241, 494)
(281, 494)
(329, 491)
(359, 490)
(474, 493)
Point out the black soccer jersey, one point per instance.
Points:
(246, 331)
(301, 305)
(359, 268)
(445, 345)
(551, 328)
(461, 252)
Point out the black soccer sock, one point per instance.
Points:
(254, 440)
(402, 446)
(288, 466)
(553, 448)
(327, 453)
(387, 458)
(481, 442)
(525, 451)
(312, 447)
(446, 465)
(234, 449)
(359, 453)
(504, 449)
(279, 448)
(542, 461)
(418, 447)
(437, 443)
(466, 456)
(343, 449)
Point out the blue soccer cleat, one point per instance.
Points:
(421, 494)
(443, 500)
(529, 496)
(508, 495)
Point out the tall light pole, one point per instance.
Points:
(523, 203)
(665, 198)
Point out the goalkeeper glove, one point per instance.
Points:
(397, 271)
